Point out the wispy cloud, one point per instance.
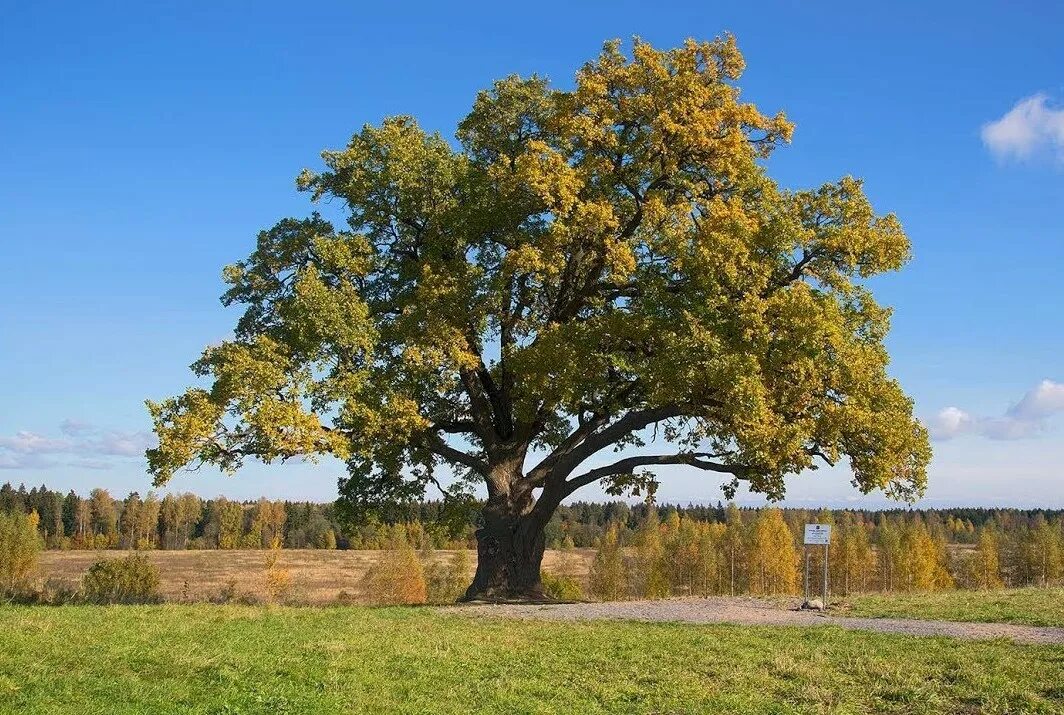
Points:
(81, 445)
(73, 428)
(1029, 130)
(1026, 418)
(32, 443)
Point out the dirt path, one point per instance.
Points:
(755, 612)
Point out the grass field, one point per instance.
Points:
(1030, 606)
(253, 659)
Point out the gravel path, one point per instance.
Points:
(756, 612)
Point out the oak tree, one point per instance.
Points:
(583, 269)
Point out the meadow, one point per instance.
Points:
(324, 577)
(1028, 606)
(263, 659)
(318, 576)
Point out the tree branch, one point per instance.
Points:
(479, 406)
(627, 465)
(796, 272)
(435, 444)
(584, 442)
(456, 427)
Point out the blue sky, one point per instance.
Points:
(141, 149)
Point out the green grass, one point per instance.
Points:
(231, 659)
(1031, 606)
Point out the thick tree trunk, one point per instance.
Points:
(509, 555)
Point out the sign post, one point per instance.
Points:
(817, 535)
(806, 553)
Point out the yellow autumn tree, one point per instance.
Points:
(852, 562)
(650, 575)
(733, 544)
(608, 577)
(712, 561)
(889, 556)
(923, 561)
(986, 571)
(1044, 549)
(772, 560)
(681, 545)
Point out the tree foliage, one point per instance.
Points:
(20, 547)
(584, 263)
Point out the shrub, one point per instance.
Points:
(228, 592)
(397, 578)
(20, 546)
(231, 594)
(278, 579)
(447, 582)
(561, 588)
(133, 579)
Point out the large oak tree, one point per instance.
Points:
(580, 271)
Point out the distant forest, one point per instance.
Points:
(186, 521)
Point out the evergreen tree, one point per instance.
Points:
(70, 513)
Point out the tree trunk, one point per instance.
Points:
(509, 555)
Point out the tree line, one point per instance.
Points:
(172, 521)
(643, 550)
(761, 552)
(186, 521)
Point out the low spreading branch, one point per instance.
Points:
(699, 460)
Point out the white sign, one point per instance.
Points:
(817, 534)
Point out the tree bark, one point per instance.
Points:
(509, 555)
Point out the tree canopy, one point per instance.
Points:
(580, 265)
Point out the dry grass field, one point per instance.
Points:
(318, 576)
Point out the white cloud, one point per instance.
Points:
(1041, 402)
(1027, 130)
(949, 423)
(84, 446)
(1027, 418)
